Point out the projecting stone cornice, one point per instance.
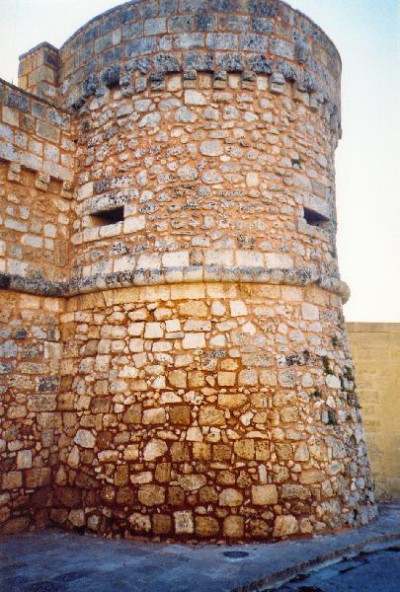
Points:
(304, 276)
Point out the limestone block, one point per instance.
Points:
(154, 449)
(311, 476)
(285, 526)
(37, 477)
(211, 416)
(154, 416)
(245, 449)
(211, 148)
(192, 482)
(194, 341)
(184, 523)
(206, 526)
(233, 526)
(11, 480)
(238, 308)
(85, 439)
(139, 523)
(24, 459)
(264, 495)
(230, 497)
(226, 378)
(178, 378)
(153, 331)
(194, 97)
(151, 495)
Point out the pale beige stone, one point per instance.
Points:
(139, 522)
(238, 308)
(178, 378)
(233, 526)
(151, 495)
(226, 378)
(77, 517)
(73, 458)
(192, 482)
(310, 312)
(154, 416)
(285, 526)
(131, 452)
(264, 495)
(184, 523)
(24, 459)
(85, 439)
(230, 497)
(301, 452)
(194, 341)
(154, 449)
(153, 331)
(211, 416)
(311, 476)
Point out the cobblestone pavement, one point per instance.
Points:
(368, 572)
(54, 561)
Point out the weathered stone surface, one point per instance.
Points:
(154, 449)
(173, 358)
(85, 439)
(285, 526)
(264, 495)
(230, 497)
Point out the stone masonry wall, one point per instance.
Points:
(30, 421)
(210, 411)
(36, 172)
(375, 348)
(199, 169)
(176, 192)
(252, 36)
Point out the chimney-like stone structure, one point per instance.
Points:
(174, 359)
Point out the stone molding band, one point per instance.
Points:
(301, 276)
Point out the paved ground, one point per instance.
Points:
(370, 572)
(53, 561)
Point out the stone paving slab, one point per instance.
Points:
(54, 561)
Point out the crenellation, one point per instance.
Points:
(173, 355)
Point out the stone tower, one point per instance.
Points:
(173, 358)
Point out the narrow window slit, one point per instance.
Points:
(108, 217)
(314, 218)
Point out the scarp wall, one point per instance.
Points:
(205, 387)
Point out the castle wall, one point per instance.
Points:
(39, 71)
(191, 425)
(30, 421)
(375, 348)
(214, 179)
(36, 171)
(184, 212)
(198, 35)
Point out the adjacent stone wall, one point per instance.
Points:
(30, 421)
(376, 351)
(36, 170)
(35, 135)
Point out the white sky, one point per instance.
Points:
(367, 34)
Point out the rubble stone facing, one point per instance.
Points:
(173, 355)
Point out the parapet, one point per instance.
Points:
(220, 36)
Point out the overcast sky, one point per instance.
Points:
(367, 34)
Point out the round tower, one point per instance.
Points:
(207, 383)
